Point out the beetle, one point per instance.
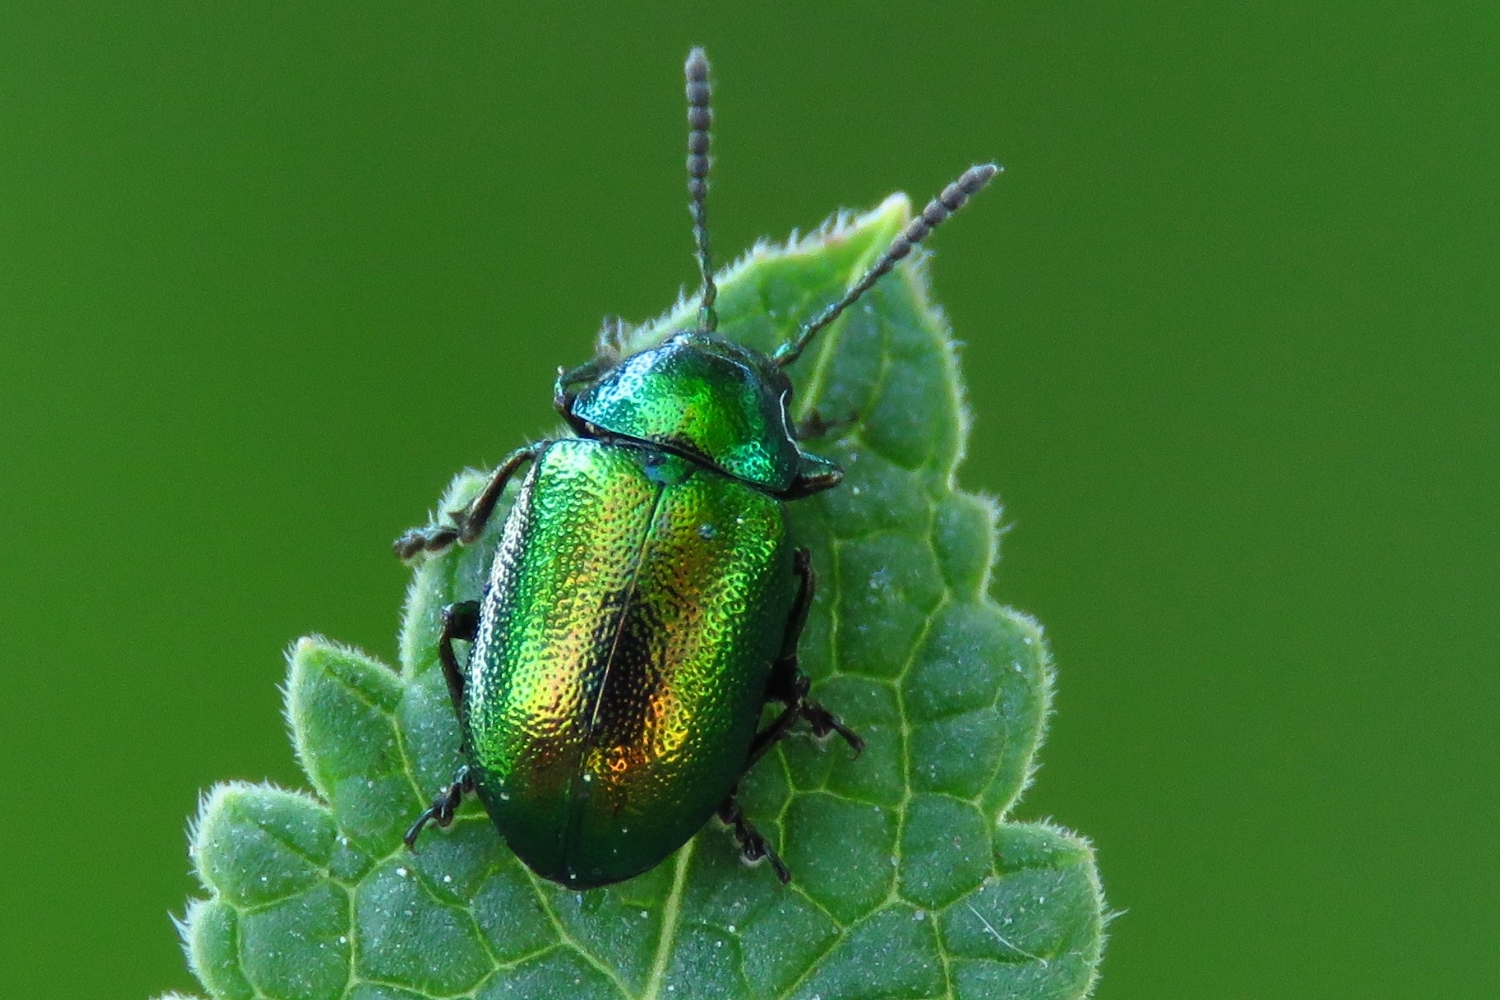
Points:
(646, 599)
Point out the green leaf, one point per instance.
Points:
(910, 880)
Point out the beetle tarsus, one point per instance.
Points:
(815, 481)
(753, 846)
(418, 540)
(822, 721)
(815, 425)
(442, 809)
(825, 722)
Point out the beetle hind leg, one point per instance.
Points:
(753, 846)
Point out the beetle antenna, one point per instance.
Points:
(969, 183)
(700, 118)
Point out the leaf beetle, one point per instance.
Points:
(646, 599)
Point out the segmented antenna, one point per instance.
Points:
(951, 200)
(700, 119)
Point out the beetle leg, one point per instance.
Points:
(468, 523)
(825, 722)
(798, 705)
(571, 381)
(442, 808)
(789, 685)
(814, 481)
(815, 425)
(807, 585)
(771, 735)
(460, 621)
(782, 685)
(753, 846)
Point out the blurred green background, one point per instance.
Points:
(271, 273)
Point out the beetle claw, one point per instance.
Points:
(442, 809)
(782, 871)
(825, 722)
(753, 846)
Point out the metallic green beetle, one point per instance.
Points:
(645, 602)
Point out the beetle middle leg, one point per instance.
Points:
(468, 523)
(789, 685)
(460, 621)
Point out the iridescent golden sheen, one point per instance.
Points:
(633, 611)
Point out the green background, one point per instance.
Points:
(270, 274)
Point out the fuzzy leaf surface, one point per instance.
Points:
(910, 879)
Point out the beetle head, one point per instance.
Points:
(701, 396)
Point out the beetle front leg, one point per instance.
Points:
(815, 425)
(566, 388)
(468, 523)
(442, 808)
(753, 846)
